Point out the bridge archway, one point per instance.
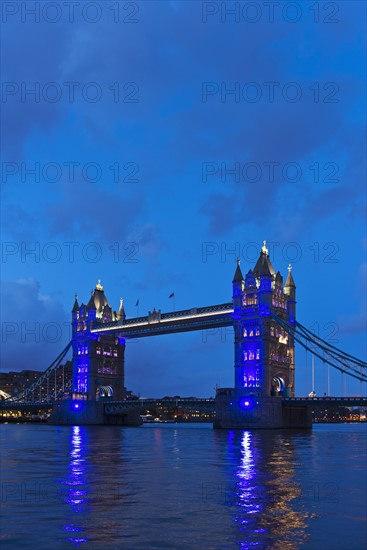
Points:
(278, 386)
(104, 391)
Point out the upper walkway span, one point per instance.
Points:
(201, 318)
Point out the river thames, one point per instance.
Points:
(183, 487)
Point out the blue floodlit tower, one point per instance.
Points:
(98, 360)
(264, 353)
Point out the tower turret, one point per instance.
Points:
(75, 314)
(265, 274)
(121, 312)
(290, 293)
(290, 287)
(238, 286)
(76, 305)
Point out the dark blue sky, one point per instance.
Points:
(130, 131)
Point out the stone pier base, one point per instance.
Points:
(297, 415)
(71, 412)
(235, 409)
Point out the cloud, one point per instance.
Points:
(35, 327)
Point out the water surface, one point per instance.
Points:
(182, 487)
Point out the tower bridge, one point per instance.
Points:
(264, 351)
(263, 316)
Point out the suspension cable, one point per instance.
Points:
(53, 367)
(313, 339)
(291, 330)
(336, 351)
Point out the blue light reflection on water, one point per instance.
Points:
(76, 485)
(246, 490)
(264, 493)
(244, 494)
(182, 487)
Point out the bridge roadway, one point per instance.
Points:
(353, 401)
(201, 318)
(116, 407)
(203, 404)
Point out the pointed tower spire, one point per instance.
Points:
(290, 293)
(76, 305)
(91, 304)
(237, 286)
(238, 277)
(98, 285)
(263, 265)
(264, 250)
(121, 311)
(290, 282)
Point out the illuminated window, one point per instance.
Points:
(245, 355)
(257, 377)
(252, 300)
(245, 332)
(251, 356)
(251, 332)
(257, 354)
(257, 331)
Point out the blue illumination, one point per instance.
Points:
(247, 403)
(76, 495)
(76, 406)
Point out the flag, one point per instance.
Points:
(137, 302)
(171, 295)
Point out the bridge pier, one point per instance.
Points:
(236, 409)
(71, 412)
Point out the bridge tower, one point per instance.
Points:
(98, 366)
(98, 360)
(264, 353)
